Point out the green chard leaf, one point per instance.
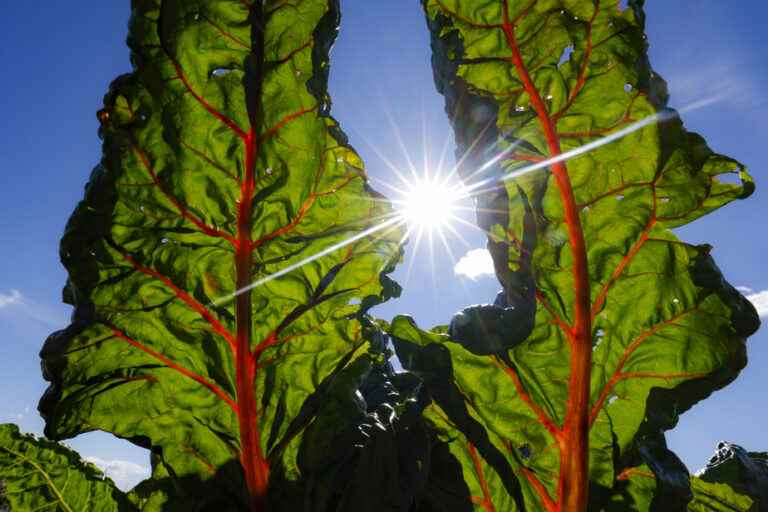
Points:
(581, 172)
(37, 474)
(222, 171)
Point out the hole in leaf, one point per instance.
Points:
(620, 197)
(612, 399)
(525, 451)
(566, 55)
(218, 72)
(664, 199)
(623, 5)
(628, 87)
(730, 178)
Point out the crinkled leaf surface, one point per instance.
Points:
(37, 474)
(370, 447)
(221, 171)
(632, 325)
(714, 497)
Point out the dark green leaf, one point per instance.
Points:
(733, 476)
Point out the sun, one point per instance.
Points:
(429, 204)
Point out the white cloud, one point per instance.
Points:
(125, 474)
(10, 299)
(760, 300)
(17, 417)
(745, 289)
(474, 264)
(21, 304)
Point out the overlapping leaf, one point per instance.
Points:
(632, 325)
(37, 474)
(733, 478)
(221, 171)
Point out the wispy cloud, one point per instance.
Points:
(17, 417)
(9, 299)
(760, 300)
(125, 474)
(36, 311)
(476, 263)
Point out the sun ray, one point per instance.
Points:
(401, 143)
(449, 227)
(392, 167)
(391, 187)
(396, 219)
(416, 245)
(659, 117)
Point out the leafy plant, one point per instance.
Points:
(228, 249)
(556, 101)
(221, 171)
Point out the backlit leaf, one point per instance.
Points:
(37, 474)
(222, 173)
(555, 108)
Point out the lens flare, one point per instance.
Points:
(429, 204)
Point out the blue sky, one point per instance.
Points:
(59, 62)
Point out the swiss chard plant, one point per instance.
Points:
(581, 173)
(228, 249)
